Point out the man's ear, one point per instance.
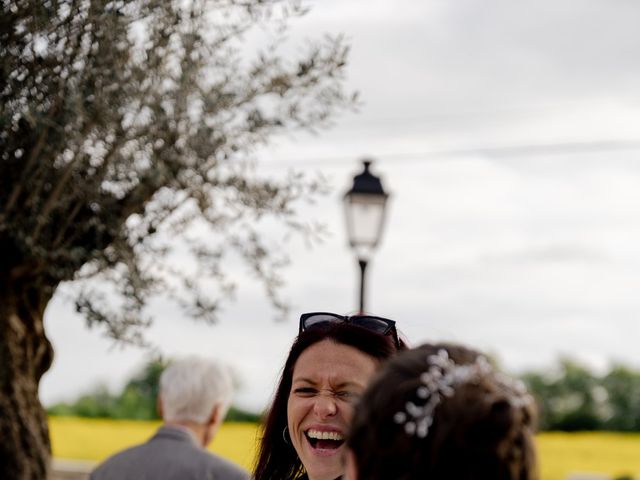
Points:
(213, 424)
(216, 415)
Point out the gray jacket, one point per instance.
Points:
(171, 454)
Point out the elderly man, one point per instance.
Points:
(195, 395)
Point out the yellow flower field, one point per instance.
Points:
(560, 454)
(616, 454)
(96, 439)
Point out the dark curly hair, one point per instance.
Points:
(479, 432)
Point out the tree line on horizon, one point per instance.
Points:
(135, 401)
(570, 397)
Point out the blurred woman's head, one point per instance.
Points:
(328, 367)
(442, 412)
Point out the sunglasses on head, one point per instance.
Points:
(379, 325)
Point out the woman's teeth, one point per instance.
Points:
(323, 435)
(324, 440)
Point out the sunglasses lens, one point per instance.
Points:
(320, 319)
(373, 324)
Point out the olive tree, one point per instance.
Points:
(124, 126)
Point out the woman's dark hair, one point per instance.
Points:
(483, 430)
(277, 459)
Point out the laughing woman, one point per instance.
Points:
(328, 367)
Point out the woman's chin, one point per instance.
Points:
(323, 463)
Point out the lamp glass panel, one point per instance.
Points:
(365, 215)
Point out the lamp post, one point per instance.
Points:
(365, 212)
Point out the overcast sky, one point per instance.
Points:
(508, 134)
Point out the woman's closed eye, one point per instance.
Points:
(341, 394)
(347, 395)
(305, 391)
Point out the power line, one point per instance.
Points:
(496, 114)
(502, 151)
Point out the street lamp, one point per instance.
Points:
(365, 211)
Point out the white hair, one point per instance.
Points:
(191, 387)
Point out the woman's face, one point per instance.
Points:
(327, 379)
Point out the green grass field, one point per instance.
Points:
(560, 454)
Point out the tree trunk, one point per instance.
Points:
(25, 355)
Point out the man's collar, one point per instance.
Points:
(181, 431)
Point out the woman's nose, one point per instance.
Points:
(325, 406)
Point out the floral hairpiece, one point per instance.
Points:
(440, 380)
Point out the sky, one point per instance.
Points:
(508, 136)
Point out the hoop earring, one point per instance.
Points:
(285, 434)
